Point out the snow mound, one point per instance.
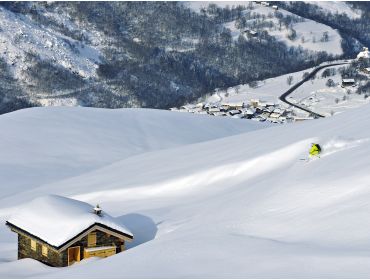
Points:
(56, 219)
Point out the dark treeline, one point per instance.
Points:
(11, 95)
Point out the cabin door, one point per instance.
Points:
(73, 255)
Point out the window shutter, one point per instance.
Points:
(91, 239)
(33, 245)
(44, 251)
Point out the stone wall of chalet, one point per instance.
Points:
(61, 259)
(25, 251)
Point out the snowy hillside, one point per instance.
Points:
(308, 33)
(20, 36)
(203, 204)
(338, 7)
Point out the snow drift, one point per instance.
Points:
(224, 206)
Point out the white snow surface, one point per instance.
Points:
(340, 7)
(57, 219)
(42, 145)
(241, 206)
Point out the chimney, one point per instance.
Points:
(97, 210)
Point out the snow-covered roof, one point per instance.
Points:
(234, 104)
(56, 219)
(348, 80)
(234, 112)
(364, 54)
(274, 115)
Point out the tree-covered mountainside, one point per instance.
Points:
(139, 54)
(351, 29)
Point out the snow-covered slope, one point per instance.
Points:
(20, 35)
(309, 33)
(238, 206)
(338, 7)
(42, 145)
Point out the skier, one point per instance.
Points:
(315, 150)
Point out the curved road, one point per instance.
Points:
(297, 85)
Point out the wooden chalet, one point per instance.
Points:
(59, 231)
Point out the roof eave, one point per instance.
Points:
(75, 238)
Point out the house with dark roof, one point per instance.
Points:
(59, 231)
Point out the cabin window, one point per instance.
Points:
(44, 251)
(91, 239)
(33, 245)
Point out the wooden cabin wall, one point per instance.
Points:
(102, 239)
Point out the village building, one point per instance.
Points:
(275, 116)
(233, 105)
(199, 105)
(254, 102)
(348, 82)
(249, 113)
(366, 70)
(251, 33)
(300, 118)
(275, 7)
(59, 231)
(214, 111)
(365, 54)
(234, 112)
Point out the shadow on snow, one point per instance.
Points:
(142, 227)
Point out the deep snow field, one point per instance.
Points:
(204, 197)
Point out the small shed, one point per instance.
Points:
(59, 231)
(214, 110)
(254, 102)
(251, 33)
(348, 82)
(365, 54)
(233, 105)
(234, 112)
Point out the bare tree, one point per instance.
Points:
(289, 80)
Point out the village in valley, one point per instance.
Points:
(332, 90)
(255, 110)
